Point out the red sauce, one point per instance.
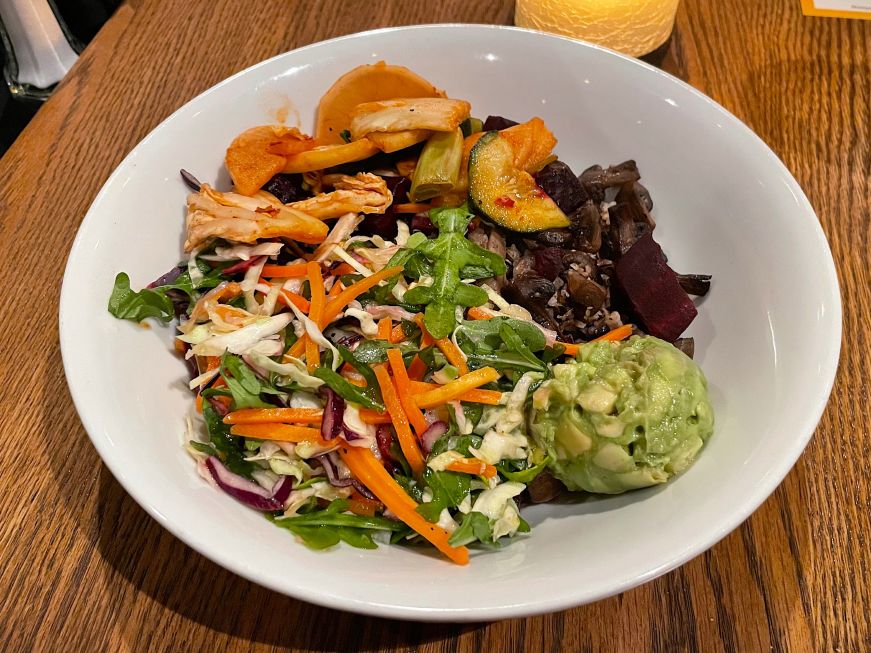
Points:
(505, 202)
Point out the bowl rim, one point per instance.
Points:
(777, 472)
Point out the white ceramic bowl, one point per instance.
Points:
(767, 336)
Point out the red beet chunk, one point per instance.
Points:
(653, 290)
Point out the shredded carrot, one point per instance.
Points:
(343, 269)
(385, 327)
(335, 290)
(453, 354)
(370, 416)
(489, 397)
(212, 363)
(363, 506)
(286, 297)
(412, 207)
(456, 388)
(368, 470)
(426, 340)
(272, 415)
(403, 389)
(338, 303)
(476, 313)
(180, 346)
(280, 432)
(397, 335)
(472, 466)
(199, 403)
(417, 368)
(407, 441)
(615, 335)
(284, 271)
(355, 378)
(297, 348)
(318, 300)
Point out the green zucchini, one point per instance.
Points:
(505, 194)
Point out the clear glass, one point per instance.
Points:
(38, 47)
(633, 27)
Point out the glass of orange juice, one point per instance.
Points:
(633, 27)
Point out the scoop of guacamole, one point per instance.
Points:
(626, 415)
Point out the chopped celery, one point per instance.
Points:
(438, 168)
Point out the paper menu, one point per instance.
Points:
(837, 8)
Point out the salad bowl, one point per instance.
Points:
(725, 205)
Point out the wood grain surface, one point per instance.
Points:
(85, 569)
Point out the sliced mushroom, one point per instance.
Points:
(686, 345)
(532, 292)
(587, 227)
(586, 292)
(628, 224)
(544, 487)
(695, 284)
(554, 237)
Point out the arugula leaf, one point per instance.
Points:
(127, 304)
(484, 336)
(410, 486)
(448, 491)
(365, 370)
(524, 475)
(450, 253)
(230, 448)
(505, 360)
(321, 529)
(474, 527)
(244, 385)
(203, 447)
(348, 391)
(515, 343)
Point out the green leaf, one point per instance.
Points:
(525, 475)
(474, 527)
(450, 254)
(505, 360)
(515, 343)
(483, 336)
(127, 304)
(365, 370)
(321, 529)
(346, 390)
(345, 135)
(244, 385)
(448, 491)
(230, 448)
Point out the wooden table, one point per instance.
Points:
(85, 569)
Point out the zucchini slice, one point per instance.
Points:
(505, 194)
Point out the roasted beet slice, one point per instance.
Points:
(562, 186)
(653, 291)
(495, 123)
